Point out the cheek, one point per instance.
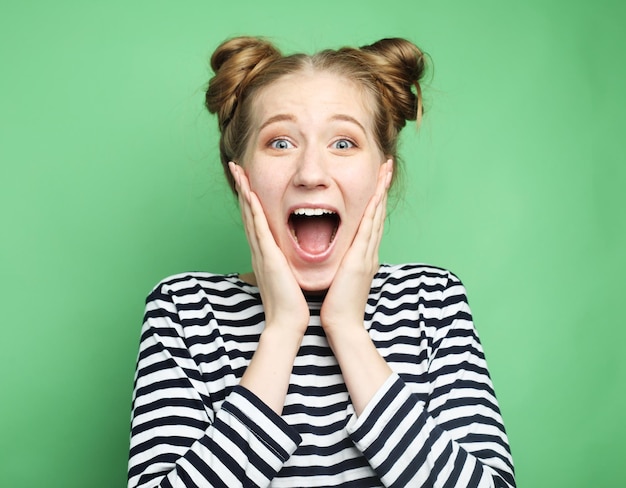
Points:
(261, 181)
(267, 187)
(364, 199)
(362, 187)
(357, 196)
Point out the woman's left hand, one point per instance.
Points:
(342, 315)
(344, 304)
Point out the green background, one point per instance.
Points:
(110, 181)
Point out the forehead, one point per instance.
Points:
(310, 95)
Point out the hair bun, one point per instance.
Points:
(400, 66)
(235, 63)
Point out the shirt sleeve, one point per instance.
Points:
(454, 436)
(177, 440)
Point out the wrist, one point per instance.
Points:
(348, 336)
(281, 336)
(348, 330)
(363, 368)
(267, 375)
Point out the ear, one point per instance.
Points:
(387, 167)
(234, 171)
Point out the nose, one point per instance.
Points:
(311, 169)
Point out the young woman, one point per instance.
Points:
(320, 367)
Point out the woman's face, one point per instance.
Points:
(313, 161)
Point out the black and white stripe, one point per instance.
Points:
(435, 422)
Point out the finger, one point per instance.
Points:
(364, 232)
(257, 226)
(261, 227)
(380, 212)
(378, 228)
(247, 214)
(362, 240)
(375, 208)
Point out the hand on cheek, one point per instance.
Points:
(286, 311)
(283, 301)
(344, 305)
(363, 368)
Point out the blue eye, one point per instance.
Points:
(343, 144)
(281, 144)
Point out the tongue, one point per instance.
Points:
(314, 233)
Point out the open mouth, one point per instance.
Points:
(314, 229)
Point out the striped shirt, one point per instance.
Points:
(434, 423)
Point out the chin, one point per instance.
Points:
(313, 280)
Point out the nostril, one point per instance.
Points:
(311, 171)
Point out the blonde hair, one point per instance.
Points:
(389, 70)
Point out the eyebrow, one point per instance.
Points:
(349, 118)
(277, 118)
(292, 118)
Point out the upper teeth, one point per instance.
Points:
(309, 212)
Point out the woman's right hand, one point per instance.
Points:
(286, 310)
(283, 300)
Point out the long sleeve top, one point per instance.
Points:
(434, 423)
